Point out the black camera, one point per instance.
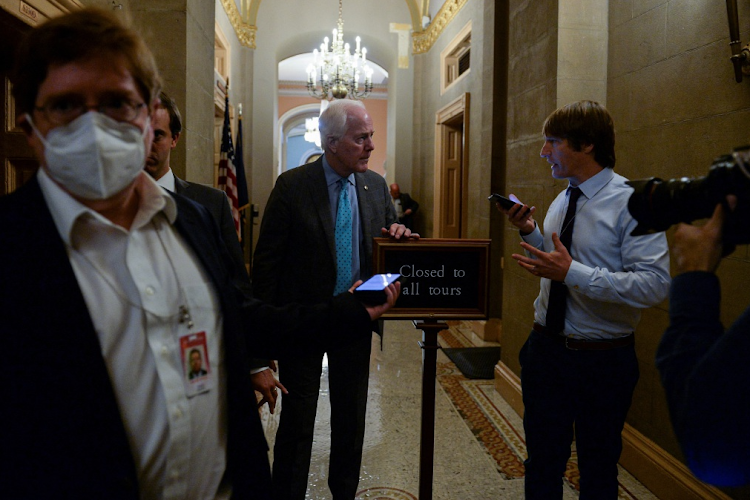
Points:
(658, 204)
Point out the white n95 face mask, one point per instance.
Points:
(94, 156)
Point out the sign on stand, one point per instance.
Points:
(445, 279)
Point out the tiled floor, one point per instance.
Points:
(466, 464)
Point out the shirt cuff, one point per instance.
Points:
(578, 275)
(534, 238)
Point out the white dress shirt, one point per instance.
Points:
(134, 283)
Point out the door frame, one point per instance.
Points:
(457, 110)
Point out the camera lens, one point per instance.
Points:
(657, 204)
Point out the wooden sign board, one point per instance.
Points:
(445, 278)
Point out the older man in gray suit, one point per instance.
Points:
(167, 125)
(316, 239)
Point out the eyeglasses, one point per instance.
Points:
(63, 110)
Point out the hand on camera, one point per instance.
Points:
(700, 248)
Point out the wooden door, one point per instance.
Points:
(451, 178)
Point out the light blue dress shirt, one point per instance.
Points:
(332, 180)
(613, 274)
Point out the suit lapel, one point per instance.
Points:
(179, 185)
(322, 204)
(365, 212)
(191, 228)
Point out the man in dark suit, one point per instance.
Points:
(405, 205)
(167, 125)
(315, 239)
(103, 269)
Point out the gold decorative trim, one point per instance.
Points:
(423, 41)
(245, 32)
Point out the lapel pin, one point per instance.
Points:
(365, 188)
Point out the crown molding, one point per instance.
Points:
(422, 41)
(245, 32)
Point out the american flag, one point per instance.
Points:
(227, 172)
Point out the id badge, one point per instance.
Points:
(196, 364)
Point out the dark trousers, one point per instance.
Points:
(563, 390)
(348, 374)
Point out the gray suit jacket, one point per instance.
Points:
(295, 258)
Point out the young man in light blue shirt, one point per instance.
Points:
(578, 366)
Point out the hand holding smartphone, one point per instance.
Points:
(372, 291)
(504, 202)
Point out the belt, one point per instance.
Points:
(586, 345)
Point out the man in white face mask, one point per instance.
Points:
(101, 267)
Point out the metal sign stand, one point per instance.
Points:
(430, 346)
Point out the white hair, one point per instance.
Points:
(333, 121)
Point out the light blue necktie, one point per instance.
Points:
(343, 236)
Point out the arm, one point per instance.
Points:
(612, 266)
(643, 280)
(273, 240)
(261, 378)
(703, 369)
(705, 374)
(391, 228)
(302, 328)
(266, 383)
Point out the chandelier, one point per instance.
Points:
(338, 70)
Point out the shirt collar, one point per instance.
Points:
(593, 184)
(154, 200)
(66, 210)
(332, 177)
(167, 181)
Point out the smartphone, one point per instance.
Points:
(506, 203)
(372, 290)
